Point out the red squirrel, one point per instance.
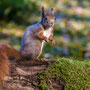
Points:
(31, 45)
(36, 35)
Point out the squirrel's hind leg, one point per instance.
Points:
(36, 59)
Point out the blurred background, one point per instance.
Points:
(71, 30)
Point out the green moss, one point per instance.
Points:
(73, 72)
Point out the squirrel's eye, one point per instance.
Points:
(55, 18)
(45, 18)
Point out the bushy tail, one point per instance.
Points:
(6, 52)
(4, 66)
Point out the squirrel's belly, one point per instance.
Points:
(42, 45)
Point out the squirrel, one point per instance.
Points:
(31, 44)
(37, 34)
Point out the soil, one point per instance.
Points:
(24, 76)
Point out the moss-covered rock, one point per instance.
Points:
(74, 74)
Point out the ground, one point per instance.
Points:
(24, 76)
(61, 74)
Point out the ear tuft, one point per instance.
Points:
(42, 8)
(52, 11)
(42, 11)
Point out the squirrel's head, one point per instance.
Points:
(48, 19)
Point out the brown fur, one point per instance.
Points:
(52, 39)
(6, 52)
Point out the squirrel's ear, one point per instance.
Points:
(42, 11)
(52, 11)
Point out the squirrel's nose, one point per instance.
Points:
(51, 23)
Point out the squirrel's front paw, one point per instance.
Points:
(53, 41)
(46, 39)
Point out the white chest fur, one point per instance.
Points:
(47, 32)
